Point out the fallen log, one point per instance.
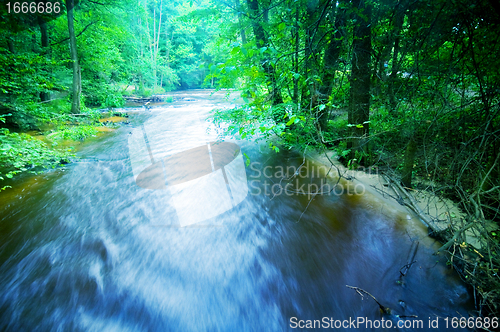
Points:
(152, 99)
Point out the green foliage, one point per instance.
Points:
(3, 116)
(25, 75)
(433, 75)
(147, 93)
(158, 90)
(102, 95)
(74, 133)
(20, 153)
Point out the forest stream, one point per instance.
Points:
(92, 248)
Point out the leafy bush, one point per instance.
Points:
(127, 92)
(158, 90)
(74, 133)
(114, 99)
(101, 94)
(21, 152)
(147, 93)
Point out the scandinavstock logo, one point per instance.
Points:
(204, 180)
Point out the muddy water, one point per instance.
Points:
(87, 249)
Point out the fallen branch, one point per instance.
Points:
(48, 101)
(411, 258)
(78, 35)
(360, 291)
(383, 309)
(454, 238)
(413, 205)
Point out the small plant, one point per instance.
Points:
(74, 133)
(147, 93)
(114, 99)
(158, 90)
(21, 152)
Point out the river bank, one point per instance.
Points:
(469, 252)
(88, 249)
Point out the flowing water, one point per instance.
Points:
(88, 249)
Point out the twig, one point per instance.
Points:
(454, 238)
(78, 35)
(358, 290)
(413, 203)
(411, 260)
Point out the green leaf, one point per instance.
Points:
(282, 26)
(247, 161)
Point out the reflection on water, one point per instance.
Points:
(89, 250)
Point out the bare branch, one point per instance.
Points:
(78, 35)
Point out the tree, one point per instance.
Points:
(395, 40)
(262, 42)
(44, 41)
(331, 59)
(359, 102)
(77, 78)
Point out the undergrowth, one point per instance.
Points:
(22, 153)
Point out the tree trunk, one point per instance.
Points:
(44, 96)
(330, 63)
(77, 80)
(411, 149)
(310, 61)
(240, 22)
(309, 55)
(10, 45)
(359, 94)
(43, 32)
(398, 25)
(141, 85)
(295, 58)
(261, 41)
(156, 44)
(316, 11)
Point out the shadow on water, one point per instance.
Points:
(88, 250)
